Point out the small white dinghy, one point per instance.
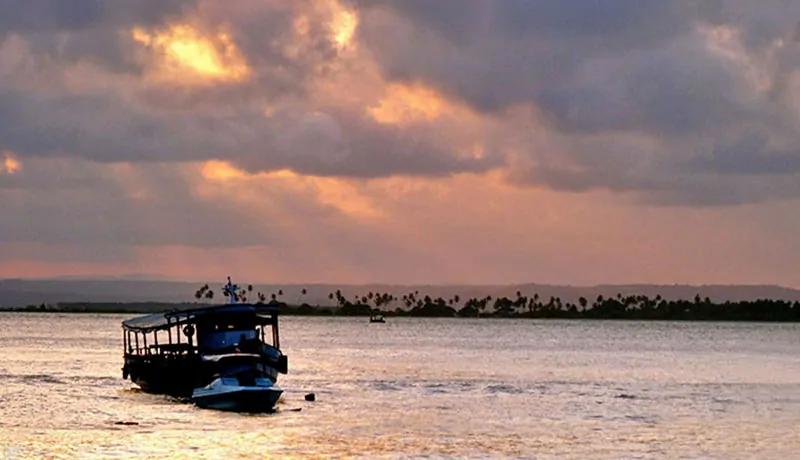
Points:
(227, 393)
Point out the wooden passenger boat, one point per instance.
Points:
(222, 357)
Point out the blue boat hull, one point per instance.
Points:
(236, 398)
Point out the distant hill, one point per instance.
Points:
(22, 292)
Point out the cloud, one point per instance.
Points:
(208, 88)
(616, 93)
(681, 79)
(74, 202)
(182, 220)
(52, 16)
(49, 14)
(463, 140)
(79, 30)
(496, 54)
(9, 164)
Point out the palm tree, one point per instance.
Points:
(200, 293)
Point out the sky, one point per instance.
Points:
(416, 142)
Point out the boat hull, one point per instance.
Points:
(237, 398)
(180, 376)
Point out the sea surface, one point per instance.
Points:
(422, 388)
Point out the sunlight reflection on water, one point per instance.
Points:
(431, 388)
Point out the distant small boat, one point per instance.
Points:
(377, 319)
(229, 358)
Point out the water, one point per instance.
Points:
(422, 388)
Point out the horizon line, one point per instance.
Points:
(154, 279)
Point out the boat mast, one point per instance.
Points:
(231, 290)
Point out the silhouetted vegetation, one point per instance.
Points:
(635, 307)
(414, 304)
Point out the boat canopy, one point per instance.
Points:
(265, 313)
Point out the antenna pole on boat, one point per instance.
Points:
(231, 289)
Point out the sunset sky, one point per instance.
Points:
(355, 141)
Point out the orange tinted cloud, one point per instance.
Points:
(343, 24)
(238, 185)
(220, 171)
(469, 228)
(185, 55)
(10, 164)
(403, 104)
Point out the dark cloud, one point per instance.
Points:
(496, 54)
(600, 73)
(53, 16)
(73, 30)
(106, 128)
(348, 144)
(49, 15)
(678, 90)
(750, 154)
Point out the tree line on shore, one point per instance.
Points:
(415, 304)
(522, 306)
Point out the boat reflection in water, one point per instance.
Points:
(224, 357)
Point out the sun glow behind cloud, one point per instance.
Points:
(181, 49)
(221, 171)
(10, 164)
(344, 25)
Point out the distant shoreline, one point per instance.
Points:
(19, 293)
(620, 308)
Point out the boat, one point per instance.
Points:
(377, 319)
(224, 357)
